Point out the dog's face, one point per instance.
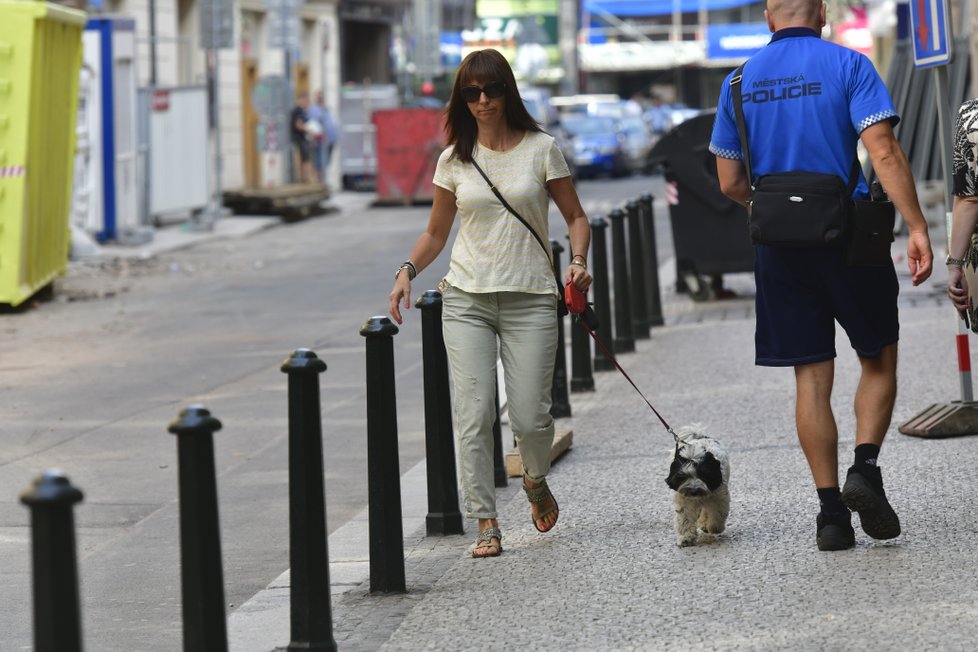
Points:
(695, 470)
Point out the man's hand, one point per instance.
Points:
(920, 258)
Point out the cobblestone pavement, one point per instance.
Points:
(611, 577)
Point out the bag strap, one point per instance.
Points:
(738, 102)
(512, 210)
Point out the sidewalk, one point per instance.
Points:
(182, 235)
(610, 576)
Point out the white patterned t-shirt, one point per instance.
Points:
(964, 166)
(493, 251)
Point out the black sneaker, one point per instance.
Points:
(863, 493)
(835, 531)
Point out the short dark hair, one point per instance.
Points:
(460, 126)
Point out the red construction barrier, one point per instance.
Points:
(409, 142)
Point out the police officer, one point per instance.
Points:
(807, 102)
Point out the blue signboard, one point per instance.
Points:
(451, 49)
(736, 41)
(930, 32)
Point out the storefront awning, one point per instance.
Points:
(626, 8)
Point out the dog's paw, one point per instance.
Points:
(715, 528)
(686, 541)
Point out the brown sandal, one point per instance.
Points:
(485, 540)
(539, 494)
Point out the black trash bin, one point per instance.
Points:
(709, 230)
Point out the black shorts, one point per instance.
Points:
(801, 293)
(305, 150)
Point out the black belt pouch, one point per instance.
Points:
(870, 233)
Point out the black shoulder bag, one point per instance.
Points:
(807, 209)
(589, 313)
(793, 209)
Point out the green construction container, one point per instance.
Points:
(40, 60)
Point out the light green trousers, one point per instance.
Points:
(478, 329)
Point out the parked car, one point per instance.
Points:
(537, 103)
(584, 104)
(637, 143)
(597, 145)
(680, 113)
(663, 117)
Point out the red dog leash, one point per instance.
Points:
(577, 305)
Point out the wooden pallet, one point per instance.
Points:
(563, 440)
(291, 202)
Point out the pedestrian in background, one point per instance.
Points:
(962, 258)
(499, 296)
(325, 139)
(300, 140)
(807, 103)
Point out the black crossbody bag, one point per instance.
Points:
(793, 209)
(588, 313)
(808, 209)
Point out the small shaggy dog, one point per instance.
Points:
(698, 473)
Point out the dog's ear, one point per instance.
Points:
(708, 470)
(675, 477)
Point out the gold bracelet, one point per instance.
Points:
(582, 262)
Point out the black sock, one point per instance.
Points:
(830, 500)
(867, 454)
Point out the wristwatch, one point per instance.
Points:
(954, 261)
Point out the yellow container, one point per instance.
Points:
(40, 59)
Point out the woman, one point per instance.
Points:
(965, 210)
(499, 296)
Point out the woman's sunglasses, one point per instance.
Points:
(472, 93)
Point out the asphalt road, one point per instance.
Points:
(91, 380)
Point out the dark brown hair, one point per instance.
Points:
(485, 66)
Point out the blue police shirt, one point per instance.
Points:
(805, 103)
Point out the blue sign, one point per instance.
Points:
(930, 31)
(450, 49)
(736, 41)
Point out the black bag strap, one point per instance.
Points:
(738, 102)
(512, 210)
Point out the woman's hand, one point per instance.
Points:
(957, 289)
(401, 292)
(579, 276)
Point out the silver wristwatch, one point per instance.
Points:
(954, 261)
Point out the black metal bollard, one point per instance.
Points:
(443, 516)
(500, 476)
(652, 293)
(383, 474)
(602, 297)
(559, 397)
(581, 378)
(636, 274)
(624, 342)
(311, 611)
(201, 573)
(57, 619)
